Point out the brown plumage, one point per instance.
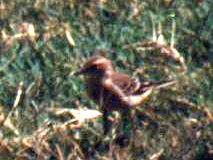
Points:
(111, 90)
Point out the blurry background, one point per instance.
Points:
(43, 42)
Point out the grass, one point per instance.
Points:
(176, 123)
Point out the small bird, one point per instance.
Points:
(112, 90)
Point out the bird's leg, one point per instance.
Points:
(127, 121)
(133, 119)
(107, 126)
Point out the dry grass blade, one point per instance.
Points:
(157, 155)
(80, 116)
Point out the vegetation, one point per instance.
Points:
(43, 42)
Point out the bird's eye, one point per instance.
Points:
(94, 70)
(91, 69)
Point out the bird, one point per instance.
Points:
(112, 90)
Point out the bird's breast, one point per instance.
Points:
(93, 89)
(102, 96)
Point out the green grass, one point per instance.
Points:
(180, 117)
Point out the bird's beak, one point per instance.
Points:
(80, 72)
(77, 73)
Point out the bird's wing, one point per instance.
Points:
(132, 86)
(116, 96)
(122, 90)
(128, 85)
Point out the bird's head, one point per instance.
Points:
(96, 66)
